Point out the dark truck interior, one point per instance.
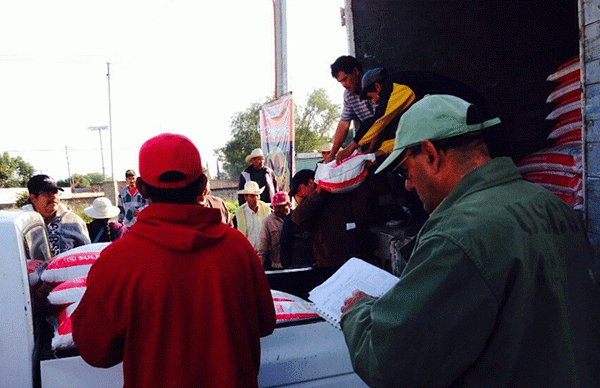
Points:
(503, 49)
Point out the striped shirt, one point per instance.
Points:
(355, 108)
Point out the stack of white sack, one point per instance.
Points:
(68, 274)
(559, 168)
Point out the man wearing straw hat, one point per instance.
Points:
(249, 217)
(259, 173)
(498, 290)
(101, 229)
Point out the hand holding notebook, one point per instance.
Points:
(355, 274)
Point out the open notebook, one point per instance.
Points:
(355, 274)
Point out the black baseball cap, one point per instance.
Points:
(301, 177)
(42, 184)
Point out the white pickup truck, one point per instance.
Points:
(305, 353)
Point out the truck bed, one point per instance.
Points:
(305, 355)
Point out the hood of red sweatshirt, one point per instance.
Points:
(184, 228)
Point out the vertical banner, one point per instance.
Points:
(277, 136)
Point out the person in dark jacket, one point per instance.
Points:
(296, 242)
(259, 173)
(102, 229)
(338, 223)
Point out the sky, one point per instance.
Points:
(175, 66)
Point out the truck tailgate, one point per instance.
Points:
(305, 355)
(308, 355)
(70, 372)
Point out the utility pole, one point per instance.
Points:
(112, 163)
(69, 168)
(279, 12)
(99, 129)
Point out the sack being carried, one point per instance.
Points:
(73, 263)
(345, 176)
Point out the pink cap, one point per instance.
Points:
(169, 152)
(280, 198)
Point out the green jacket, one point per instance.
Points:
(497, 292)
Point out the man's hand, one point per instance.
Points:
(329, 157)
(344, 153)
(338, 138)
(356, 297)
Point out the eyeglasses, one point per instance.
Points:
(402, 172)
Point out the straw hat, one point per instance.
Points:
(102, 208)
(257, 152)
(326, 147)
(251, 188)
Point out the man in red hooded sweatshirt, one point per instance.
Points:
(182, 299)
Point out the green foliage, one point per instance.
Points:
(95, 178)
(22, 199)
(83, 180)
(313, 124)
(63, 183)
(245, 136)
(314, 121)
(14, 172)
(232, 206)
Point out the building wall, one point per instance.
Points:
(224, 189)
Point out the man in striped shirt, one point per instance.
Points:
(348, 72)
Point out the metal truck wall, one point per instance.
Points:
(504, 49)
(590, 48)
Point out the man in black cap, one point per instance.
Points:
(296, 242)
(66, 230)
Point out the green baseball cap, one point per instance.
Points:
(434, 117)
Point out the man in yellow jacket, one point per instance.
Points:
(250, 216)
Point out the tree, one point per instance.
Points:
(245, 136)
(78, 181)
(21, 199)
(95, 178)
(14, 172)
(315, 121)
(313, 124)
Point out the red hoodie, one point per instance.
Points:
(182, 300)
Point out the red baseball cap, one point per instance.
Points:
(169, 152)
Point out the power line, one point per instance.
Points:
(73, 149)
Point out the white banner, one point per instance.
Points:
(277, 136)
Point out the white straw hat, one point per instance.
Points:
(255, 154)
(251, 188)
(102, 208)
(326, 147)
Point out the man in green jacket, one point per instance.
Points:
(498, 290)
